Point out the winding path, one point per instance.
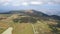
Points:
(33, 29)
(8, 31)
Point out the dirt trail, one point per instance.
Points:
(8, 31)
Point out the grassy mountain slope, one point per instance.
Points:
(30, 22)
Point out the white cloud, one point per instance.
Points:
(57, 1)
(25, 3)
(2, 1)
(50, 3)
(28, 2)
(36, 3)
(15, 4)
(5, 4)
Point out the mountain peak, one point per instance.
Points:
(30, 11)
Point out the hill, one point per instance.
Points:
(30, 21)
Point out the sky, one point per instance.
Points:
(46, 6)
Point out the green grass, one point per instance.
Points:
(5, 15)
(18, 28)
(3, 26)
(22, 28)
(42, 28)
(2, 30)
(26, 28)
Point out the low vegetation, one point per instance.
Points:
(22, 24)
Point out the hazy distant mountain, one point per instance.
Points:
(55, 17)
(32, 13)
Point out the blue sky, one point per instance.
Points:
(46, 6)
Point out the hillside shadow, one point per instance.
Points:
(54, 29)
(25, 20)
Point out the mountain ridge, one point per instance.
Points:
(31, 12)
